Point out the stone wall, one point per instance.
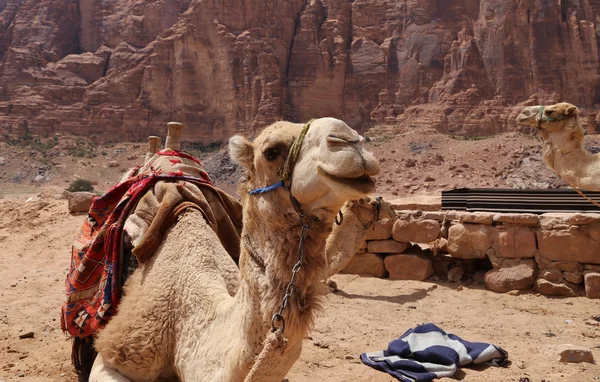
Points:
(555, 254)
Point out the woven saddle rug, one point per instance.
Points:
(141, 207)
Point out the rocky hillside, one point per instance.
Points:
(119, 69)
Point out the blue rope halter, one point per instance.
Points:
(262, 190)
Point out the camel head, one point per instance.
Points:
(332, 166)
(555, 119)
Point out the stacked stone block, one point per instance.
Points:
(555, 254)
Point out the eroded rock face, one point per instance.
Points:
(121, 69)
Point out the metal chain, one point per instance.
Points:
(306, 223)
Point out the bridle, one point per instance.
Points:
(542, 118)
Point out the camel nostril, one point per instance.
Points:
(341, 140)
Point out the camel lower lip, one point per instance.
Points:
(362, 183)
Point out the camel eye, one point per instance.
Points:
(272, 153)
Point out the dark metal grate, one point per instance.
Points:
(523, 201)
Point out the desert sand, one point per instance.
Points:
(36, 232)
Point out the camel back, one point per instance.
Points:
(142, 208)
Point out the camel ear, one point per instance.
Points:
(572, 110)
(241, 151)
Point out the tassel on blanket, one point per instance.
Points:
(83, 355)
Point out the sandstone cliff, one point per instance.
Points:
(119, 69)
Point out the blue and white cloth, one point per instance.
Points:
(427, 352)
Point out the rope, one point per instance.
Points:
(290, 161)
(262, 190)
(579, 191)
(265, 367)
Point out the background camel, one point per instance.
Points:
(563, 147)
(180, 316)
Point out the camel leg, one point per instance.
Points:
(102, 372)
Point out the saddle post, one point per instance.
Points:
(153, 147)
(174, 135)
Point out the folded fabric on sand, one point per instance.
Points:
(427, 352)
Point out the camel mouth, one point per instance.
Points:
(528, 116)
(524, 119)
(363, 183)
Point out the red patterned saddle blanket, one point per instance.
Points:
(93, 283)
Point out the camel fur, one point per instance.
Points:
(563, 147)
(180, 317)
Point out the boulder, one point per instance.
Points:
(552, 275)
(516, 242)
(366, 264)
(469, 241)
(575, 277)
(408, 267)
(592, 284)
(518, 277)
(416, 231)
(576, 355)
(456, 273)
(80, 201)
(386, 246)
(576, 244)
(381, 230)
(549, 288)
(442, 244)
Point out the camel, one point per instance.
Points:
(563, 147)
(190, 313)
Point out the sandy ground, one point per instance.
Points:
(364, 315)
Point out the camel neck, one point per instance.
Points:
(269, 252)
(565, 153)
